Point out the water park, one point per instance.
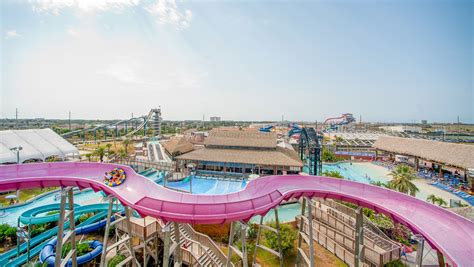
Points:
(239, 198)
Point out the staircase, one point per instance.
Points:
(205, 256)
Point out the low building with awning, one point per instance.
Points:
(243, 152)
(433, 154)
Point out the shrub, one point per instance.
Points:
(394, 263)
(81, 248)
(252, 231)
(288, 237)
(219, 233)
(328, 155)
(116, 260)
(7, 231)
(334, 174)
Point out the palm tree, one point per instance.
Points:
(89, 156)
(122, 153)
(432, 198)
(125, 144)
(100, 152)
(441, 202)
(108, 146)
(402, 177)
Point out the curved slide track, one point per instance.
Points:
(37, 243)
(447, 232)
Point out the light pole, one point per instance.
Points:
(17, 149)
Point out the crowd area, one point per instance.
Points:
(450, 182)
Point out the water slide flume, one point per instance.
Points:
(449, 233)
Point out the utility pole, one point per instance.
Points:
(202, 123)
(459, 126)
(69, 120)
(16, 118)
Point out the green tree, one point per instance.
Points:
(107, 147)
(432, 198)
(334, 174)
(122, 153)
(288, 237)
(441, 202)
(379, 183)
(328, 155)
(100, 152)
(89, 156)
(126, 143)
(402, 177)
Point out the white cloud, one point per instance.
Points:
(167, 12)
(163, 11)
(10, 34)
(72, 31)
(55, 6)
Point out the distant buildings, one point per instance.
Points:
(215, 118)
(402, 128)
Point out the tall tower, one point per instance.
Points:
(156, 121)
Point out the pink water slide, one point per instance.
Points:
(447, 232)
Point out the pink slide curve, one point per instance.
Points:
(449, 233)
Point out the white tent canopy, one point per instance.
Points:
(36, 144)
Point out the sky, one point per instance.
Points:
(387, 61)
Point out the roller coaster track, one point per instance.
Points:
(145, 120)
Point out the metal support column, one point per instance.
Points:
(64, 218)
(177, 249)
(124, 241)
(241, 253)
(276, 230)
(310, 230)
(419, 250)
(166, 244)
(302, 259)
(359, 237)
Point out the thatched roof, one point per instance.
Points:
(457, 155)
(238, 138)
(278, 157)
(178, 146)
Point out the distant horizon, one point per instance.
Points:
(390, 61)
(254, 121)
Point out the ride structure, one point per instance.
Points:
(309, 150)
(36, 245)
(266, 129)
(336, 122)
(445, 231)
(121, 129)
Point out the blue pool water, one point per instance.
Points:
(15, 212)
(286, 213)
(200, 185)
(357, 171)
(207, 186)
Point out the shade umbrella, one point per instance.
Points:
(10, 197)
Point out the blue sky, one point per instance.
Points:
(385, 60)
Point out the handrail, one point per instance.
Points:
(347, 210)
